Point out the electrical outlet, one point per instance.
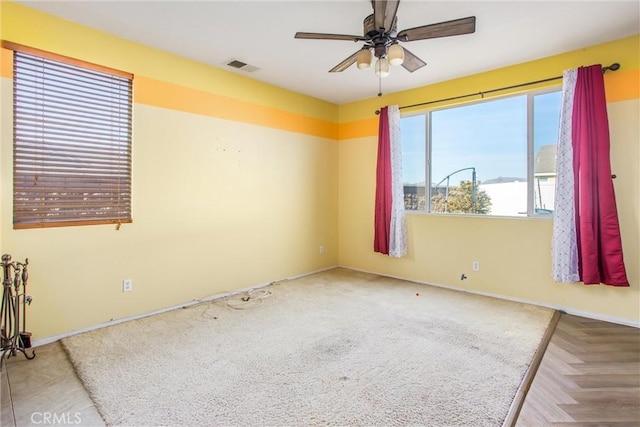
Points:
(127, 285)
(476, 266)
(321, 249)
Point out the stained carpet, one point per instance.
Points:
(335, 348)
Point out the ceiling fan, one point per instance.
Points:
(382, 38)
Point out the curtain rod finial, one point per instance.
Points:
(613, 67)
(377, 112)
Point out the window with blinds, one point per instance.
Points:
(72, 144)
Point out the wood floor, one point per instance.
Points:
(589, 376)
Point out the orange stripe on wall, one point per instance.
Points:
(6, 63)
(359, 128)
(622, 85)
(168, 95)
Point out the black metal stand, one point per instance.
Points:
(13, 310)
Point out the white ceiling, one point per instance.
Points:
(261, 33)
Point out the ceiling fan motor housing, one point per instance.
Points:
(370, 29)
(380, 38)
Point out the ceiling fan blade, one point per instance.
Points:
(346, 63)
(322, 36)
(411, 62)
(384, 13)
(441, 29)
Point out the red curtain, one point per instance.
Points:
(382, 225)
(597, 226)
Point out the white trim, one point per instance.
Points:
(531, 203)
(55, 338)
(568, 310)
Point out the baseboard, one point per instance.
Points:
(49, 340)
(568, 310)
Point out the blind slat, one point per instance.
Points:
(96, 141)
(59, 206)
(53, 93)
(71, 125)
(60, 83)
(70, 180)
(66, 149)
(73, 161)
(32, 69)
(72, 144)
(64, 61)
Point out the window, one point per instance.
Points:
(494, 157)
(72, 142)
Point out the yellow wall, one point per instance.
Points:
(36, 29)
(514, 254)
(234, 185)
(237, 183)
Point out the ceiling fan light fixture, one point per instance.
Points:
(382, 67)
(396, 54)
(364, 59)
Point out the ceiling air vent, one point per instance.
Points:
(242, 66)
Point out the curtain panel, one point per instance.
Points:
(587, 245)
(390, 230)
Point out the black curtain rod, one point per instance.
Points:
(613, 67)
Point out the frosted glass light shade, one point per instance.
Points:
(396, 54)
(382, 67)
(363, 59)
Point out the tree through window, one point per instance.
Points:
(494, 157)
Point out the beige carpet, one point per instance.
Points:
(335, 348)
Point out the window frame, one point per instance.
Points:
(122, 105)
(530, 113)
